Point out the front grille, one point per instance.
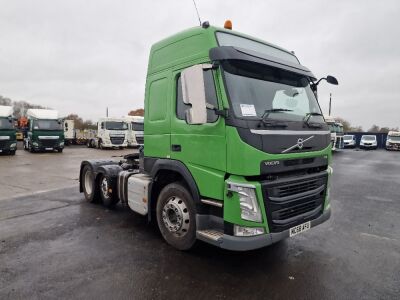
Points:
(117, 140)
(140, 139)
(3, 144)
(292, 201)
(49, 143)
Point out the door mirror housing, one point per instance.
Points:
(194, 94)
(332, 80)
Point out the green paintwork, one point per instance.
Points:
(11, 133)
(213, 152)
(33, 135)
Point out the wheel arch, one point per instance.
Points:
(164, 172)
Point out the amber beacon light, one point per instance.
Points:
(228, 24)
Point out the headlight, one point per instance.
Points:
(61, 144)
(247, 231)
(35, 144)
(13, 145)
(249, 207)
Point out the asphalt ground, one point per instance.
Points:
(55, 245)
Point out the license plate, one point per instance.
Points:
(299, 228)
(48, 149)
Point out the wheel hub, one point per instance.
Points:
(104, 187)
(175, 216)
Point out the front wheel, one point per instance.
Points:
(108, 192)
(176, 216)
(12, 152)
(60, 150)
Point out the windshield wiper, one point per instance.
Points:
(308, 117)
(267, 112)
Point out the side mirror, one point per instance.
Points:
(332, 80)
(193, 93)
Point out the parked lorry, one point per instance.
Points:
(8, 139)
(69, 132)
(339, 144)
(332, 128)
(45, 131)
(135, 130)
(111, 133)
(237, 153)
(393, 140)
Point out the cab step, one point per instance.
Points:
(210, 235)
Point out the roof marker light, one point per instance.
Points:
(228, 24)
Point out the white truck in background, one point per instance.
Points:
(69, 132)
(331, 122)
(135, 130)
(111, 133)
(393, 141)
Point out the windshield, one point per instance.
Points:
(368, 138)
(137, 126)
(6, 124)
(394, 138)
(116, 125)
(47, 125)
(348, 137)
(255, 88)
(338, 128)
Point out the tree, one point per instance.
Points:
(345, 123)
(137, 112)
(374, 128)
(356, 129)
(384, 129)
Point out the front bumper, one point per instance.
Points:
(235, 243)
(393, 147)
(7, 146)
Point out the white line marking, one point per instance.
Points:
(38, 192)
(378, 199)
(378, 237)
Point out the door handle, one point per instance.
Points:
(176, 148)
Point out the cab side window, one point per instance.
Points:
(211, 97)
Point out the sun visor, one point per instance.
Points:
(235, 53)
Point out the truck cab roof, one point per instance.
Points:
(194, 44)
(6, 111)
(45, 114)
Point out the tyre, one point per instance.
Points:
(176, 216)
(89, 143)
(88, 185)
(12, 152)
(30, 148)
(108, 192)
(60, 150)
(101, 145)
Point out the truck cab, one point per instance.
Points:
(8, 140)
(237, 152)
(339, 143)
(45, 131)
(135, 130)
(69, 131)
(111, 133)
(393, 141)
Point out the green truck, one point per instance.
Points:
(236, 150)
(8, 139)
(45, 131)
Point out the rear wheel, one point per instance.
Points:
(176, 216)
(88, 185)
(108, 192)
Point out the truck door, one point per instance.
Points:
(202, 148)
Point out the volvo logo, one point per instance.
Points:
(299, 145)
(271, 163)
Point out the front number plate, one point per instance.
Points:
(48, 149)
(299, 228)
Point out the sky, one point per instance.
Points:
(80, 56)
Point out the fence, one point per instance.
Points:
(380, 137)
